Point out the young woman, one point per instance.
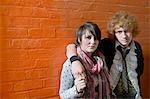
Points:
(93, 80)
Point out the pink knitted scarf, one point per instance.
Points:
(104, 90)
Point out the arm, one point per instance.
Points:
(140, 59)
(71, 50)
(140, 62)
(67, 87)
(76, 65)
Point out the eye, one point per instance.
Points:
(125, 31)
(89, 37)
(119, 32)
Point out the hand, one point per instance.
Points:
(80, 83)
(71, 50)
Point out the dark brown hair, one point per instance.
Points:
(90, 26)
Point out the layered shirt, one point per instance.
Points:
(130, 58)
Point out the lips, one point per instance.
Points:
(91, 47)
(124, 40)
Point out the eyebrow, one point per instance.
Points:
(121, 31)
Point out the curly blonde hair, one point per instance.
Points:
(124, 20)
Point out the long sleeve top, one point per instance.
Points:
(67, 87)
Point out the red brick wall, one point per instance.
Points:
(34, 34)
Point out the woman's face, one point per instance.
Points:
(88, 43)
(123, 37)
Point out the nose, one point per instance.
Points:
(124, 34)
(92, 40)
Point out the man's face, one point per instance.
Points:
(124, 37)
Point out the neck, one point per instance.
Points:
(89, 54)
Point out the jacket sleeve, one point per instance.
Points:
(67, 87)
(140, 58)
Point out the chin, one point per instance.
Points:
(124, 44)
(91, 51)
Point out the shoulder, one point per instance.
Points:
(67, 66)
(137, 44)
(66, 72)
(67, 63)
(138, 48)
(140, 58)
(107, 46)
(107, 43)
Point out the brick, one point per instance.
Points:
(41, 53)
(54, 72)
(20, 22)
(60, 55)
(26, 43)
(5, 21)
(51, 22)
(19, 11)
(61, 4)
(28, 3)
(40, 12)
(46, 3)
(7, 2)
(52, 82)
(34, 22)
(28, 85)
(33, 44)
(16, 95)
(41, 33)
(49, 43)
(36, 73)
(136, 9)
(65, 33)
(19, 43)
(57, 14)
(12, 75)
(17, 22)
(41, 63)
(62, 42)
(74, 5)
(43, 93)
(14, 54)
(18, 64)
(5, 43)
(75, 23)
(14, 33)
(55, 20)
(3, 11)
(136, 3)
(7, 87)
(45, 23)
